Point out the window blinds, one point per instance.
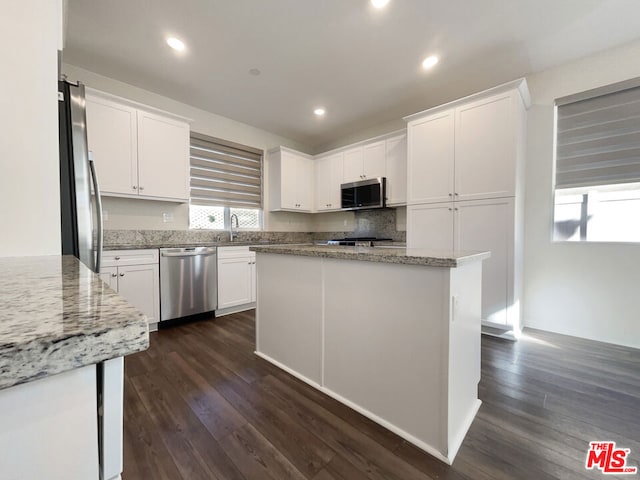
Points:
(598, 138)
(224, 173)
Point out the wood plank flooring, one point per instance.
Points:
(200, 405)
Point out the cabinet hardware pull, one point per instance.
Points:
(122, 274)
(116, 258)
(451, 194)
(450, 209)
(134, 187)
(114, 275)
(141, 188)
(456, 194)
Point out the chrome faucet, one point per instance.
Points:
(233, 234)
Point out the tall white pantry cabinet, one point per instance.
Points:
(465, 181)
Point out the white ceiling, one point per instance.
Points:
(362, 64)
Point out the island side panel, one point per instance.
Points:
(49, 427)
(289, 312)
(464, 352)
(386, 345)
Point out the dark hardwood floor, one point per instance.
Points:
(200, 405)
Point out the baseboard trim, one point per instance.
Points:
(448, 459)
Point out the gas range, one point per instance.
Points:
(357, 241)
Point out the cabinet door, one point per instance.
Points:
(430, 226)
(396, 170)
(352, 167)
(322, 177)
(486, 148)
(328, 177)
(288, 180)
(430, 167)
(304, 184)
(335, 180)
(253, 280)
(373, 160)
(489, 225)
(234, 281)
(140, 285)
(112, 138)
(163, 157)
(109, 275)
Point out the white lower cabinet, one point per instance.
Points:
(236, 277)
(135, 275)
(486, 225)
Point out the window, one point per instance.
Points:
(226, 180)
(597, 177)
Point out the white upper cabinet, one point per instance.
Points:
(301, 183)
(163, 150)
(290, 179)
(373, 160)
(328, 178)
(363, 162)
(396, 170)
(352, 170)
(470, 151)
(113, 141)
(138, 153)
(485, 146)
(430, 166)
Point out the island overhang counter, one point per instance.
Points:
(392, 333)
(63, 336)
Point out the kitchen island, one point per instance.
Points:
(394, 333)
(63, 335)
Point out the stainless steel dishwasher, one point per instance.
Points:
(188, 281)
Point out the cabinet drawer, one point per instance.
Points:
(235, 252)
(117, 258)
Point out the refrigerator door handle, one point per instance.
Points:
(96, 191)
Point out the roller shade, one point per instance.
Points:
(225, 174)
(598, 140)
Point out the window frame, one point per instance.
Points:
(574, 98)
(227, 208)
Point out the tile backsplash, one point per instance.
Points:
(368, 223)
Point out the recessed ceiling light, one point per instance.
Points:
(175, 43)
(379, 3)
(319, 111)
(429, 62)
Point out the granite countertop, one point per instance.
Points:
(399, 255)
(182, 245)
(57, 315)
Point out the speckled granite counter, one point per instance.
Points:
(409, 256)
(56, 315)
(170, 245)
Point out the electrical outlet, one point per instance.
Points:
(167, 217)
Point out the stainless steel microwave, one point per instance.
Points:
(364, 194)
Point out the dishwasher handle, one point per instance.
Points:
(187, 254)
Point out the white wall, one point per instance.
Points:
(586, 290)
(131, 214)
(30, 35)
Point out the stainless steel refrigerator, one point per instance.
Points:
(81, 215)
(81, 212)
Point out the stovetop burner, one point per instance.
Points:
(357, 241)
